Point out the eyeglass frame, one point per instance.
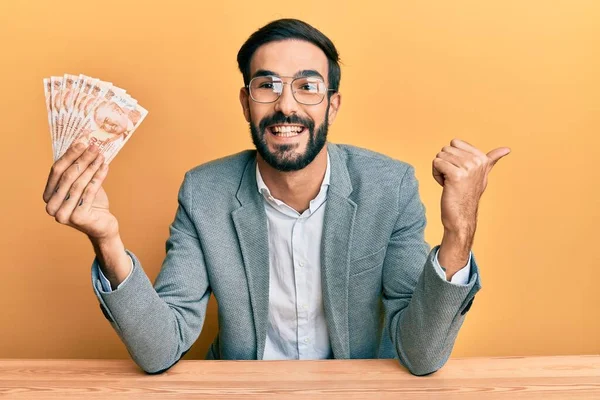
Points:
(287, 83)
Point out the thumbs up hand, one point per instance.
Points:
(462, 170)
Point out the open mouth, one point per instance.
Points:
(286, 131)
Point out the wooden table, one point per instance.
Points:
(564, 377)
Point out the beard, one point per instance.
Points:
(284, 158)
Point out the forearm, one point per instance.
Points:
(425, 331)
(157, 324)
(114, 261)
(144, 322)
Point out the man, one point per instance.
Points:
(312, 250)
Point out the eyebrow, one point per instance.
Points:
(303, 73)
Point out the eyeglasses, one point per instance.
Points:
(308, 90)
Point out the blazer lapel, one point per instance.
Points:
(338, 226)
(250, 221)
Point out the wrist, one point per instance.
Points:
(459, 236)
(112, 258)
(106, 242)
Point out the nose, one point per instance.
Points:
(286, 103)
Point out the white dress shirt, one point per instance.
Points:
(297, 328)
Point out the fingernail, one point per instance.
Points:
(68, 196)
(93, 148)
(79, 146)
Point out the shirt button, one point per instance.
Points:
(304, 306)
(307, 340)
(301, 264)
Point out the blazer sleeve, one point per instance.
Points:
(423, 310)
(159, 324)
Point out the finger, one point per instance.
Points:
(461, 144)
(63, 214)
(89, 194)
(437, 175)
(64, 162)
(442, 169)
(497, 154)
(456, 151)
(464, 159)
(454, 156)
(62, 189)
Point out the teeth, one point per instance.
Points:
(287, 130)
(286, 134)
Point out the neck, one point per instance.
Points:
(295, 188)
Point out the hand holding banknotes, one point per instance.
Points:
(74, 195)
(90, 121)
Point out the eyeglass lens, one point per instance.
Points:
(306, 90)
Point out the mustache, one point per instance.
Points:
(280, 118)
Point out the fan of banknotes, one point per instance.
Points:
(88, 110)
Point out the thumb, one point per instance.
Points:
(497, 154)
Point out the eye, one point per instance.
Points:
(309, 87)
(266, 85)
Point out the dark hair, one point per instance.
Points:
(286, 29)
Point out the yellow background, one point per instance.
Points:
(523, 74)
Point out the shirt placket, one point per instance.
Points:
(300, 273)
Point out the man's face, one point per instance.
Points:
(111, 118)
(289, 135)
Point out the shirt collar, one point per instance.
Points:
(266, 193)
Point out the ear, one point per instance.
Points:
(245, 102)
(335, 103)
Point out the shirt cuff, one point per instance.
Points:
(105, 282)
(461, 277)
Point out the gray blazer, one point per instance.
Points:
(382, 295)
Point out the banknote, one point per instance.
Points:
(97, 93)
(84, 109)
(47, 96)
(111, 123)
(68, 88)
(135, 118)
(83, 94)
(69, 104)
(55, 92)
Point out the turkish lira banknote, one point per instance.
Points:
(88, 110)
